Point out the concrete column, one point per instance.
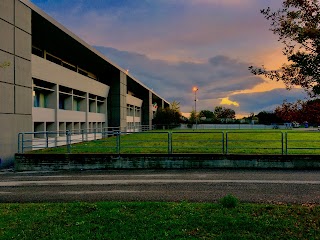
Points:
(86, 125)
(15, 79)
(147, 110)
(53, 100)
(105, 125)
(134, 116)
(117, 104)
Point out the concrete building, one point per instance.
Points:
(51, 80)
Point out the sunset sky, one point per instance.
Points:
(173, 45)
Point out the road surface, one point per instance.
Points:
(272, 186)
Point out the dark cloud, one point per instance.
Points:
(268, 101)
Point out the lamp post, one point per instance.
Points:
(195, 89)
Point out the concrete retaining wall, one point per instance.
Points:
(51, 162)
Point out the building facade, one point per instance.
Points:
(51, 80)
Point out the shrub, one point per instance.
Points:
(229, 201)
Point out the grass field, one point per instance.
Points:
(203, 141)
(147, 220)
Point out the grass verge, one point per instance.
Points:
(158, 220)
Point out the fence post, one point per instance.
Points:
(286, 142)
(19, 142)
(47, 140)
(169, 142)
(68, 133)
(82, 135)
(22, 143)
(282, 143)
(226, 142)
(118, 141)
(223, 143)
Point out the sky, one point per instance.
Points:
(173, 45)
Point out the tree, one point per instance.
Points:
(312, 111)
(207, 114)
(290, 112)
(193, 116)
(168, 116)
(300, 111)
(175, 106)
(268, 117)
(297, 25)
(224, 113)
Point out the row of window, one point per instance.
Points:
(133, 126)
(133, 111)
(73, 127)
(69, 99)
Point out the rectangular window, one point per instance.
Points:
(92, 105)
(36, 51)
(69, 66)
(62, 102)
(39, 99)
(53, 59)
(76, 104)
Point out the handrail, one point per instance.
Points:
(171, 142)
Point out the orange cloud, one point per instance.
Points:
(227, 101)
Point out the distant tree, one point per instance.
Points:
(224, 113)
(193, 116)
(300, 111)
(169, 115)
(268, 117)
(290, 112)
(175, 106)
(312, 111)
(297, 26)
(206, 114)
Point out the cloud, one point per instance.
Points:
(266, 101)
(168, 29)
(227, 101)
(216, 79)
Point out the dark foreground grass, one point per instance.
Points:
(152, 220)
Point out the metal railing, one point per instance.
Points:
(214, 142)
(258, 142)
(197, 142)
(302, 143)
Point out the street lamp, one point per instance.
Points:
(195, 89)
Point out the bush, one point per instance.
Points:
(229, 201)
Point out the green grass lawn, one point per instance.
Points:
(157, 220)
(203, 141)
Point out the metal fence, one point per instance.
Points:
(234, 126)
(167, 142)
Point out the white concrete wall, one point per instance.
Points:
(51, 72)
(43, 115)
(96, 117)
(71, 116)
(133, 119)
(15, 79)
(134, 101)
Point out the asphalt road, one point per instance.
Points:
(146, 185)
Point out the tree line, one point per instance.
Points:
(299, 112)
